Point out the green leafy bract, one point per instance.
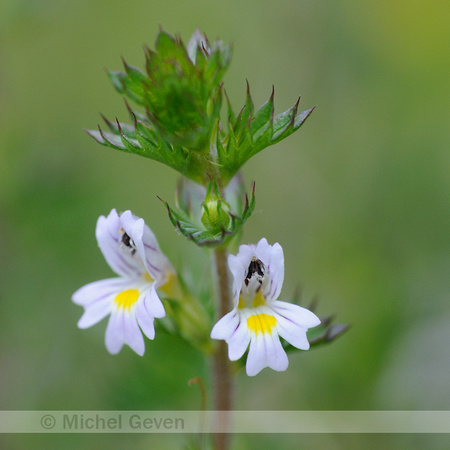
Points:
(250, 132)
(198, 231)
(180, 94)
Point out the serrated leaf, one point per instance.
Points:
(218, 62)
(263, 118)
(130, 144)
(247, 134)
(263, 141)
(116, 77)
(131, 84)
(156, 149)
(249, 206)
(181, 93)
(113, 126)
(283, 127)
(230, 114)
(108, 139)
(182, 98)
(282, 120)
(166, 45)
(245, 115)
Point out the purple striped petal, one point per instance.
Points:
(121, 259)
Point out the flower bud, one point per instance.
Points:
(215, 210)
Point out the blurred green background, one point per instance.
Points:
(358, 198)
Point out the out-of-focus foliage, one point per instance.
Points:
(359, 200)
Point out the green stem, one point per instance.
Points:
(221, 368)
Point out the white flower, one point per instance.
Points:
(258, 317)
(131, 250)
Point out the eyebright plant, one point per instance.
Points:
(175, 106)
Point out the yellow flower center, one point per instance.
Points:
(126, 299)
(148, 277)
(258, 300)
(261, 323)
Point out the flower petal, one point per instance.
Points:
(154, 260)
(145, 321)
(292, 323)
(146, 311)
(238, 342)
(225, 327)
(122, 260)
(123, 329)
(238, 265)
(233, 329)
(114, 336)
(297, 314)
(98, 290)
(276, 355)
(266, 351)
(95, 312)
(132, 332)
(273, 258)
(292, 333)
(256, 358)
(154, 303)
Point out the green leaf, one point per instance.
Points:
(286, 123)
(249, 133)
(133, 83)
(183, 97)
(218, 62)
(263, 118)
(230, 114)
(114, 127)
(144, 141)
(180, 93)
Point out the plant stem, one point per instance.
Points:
(221, 369)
